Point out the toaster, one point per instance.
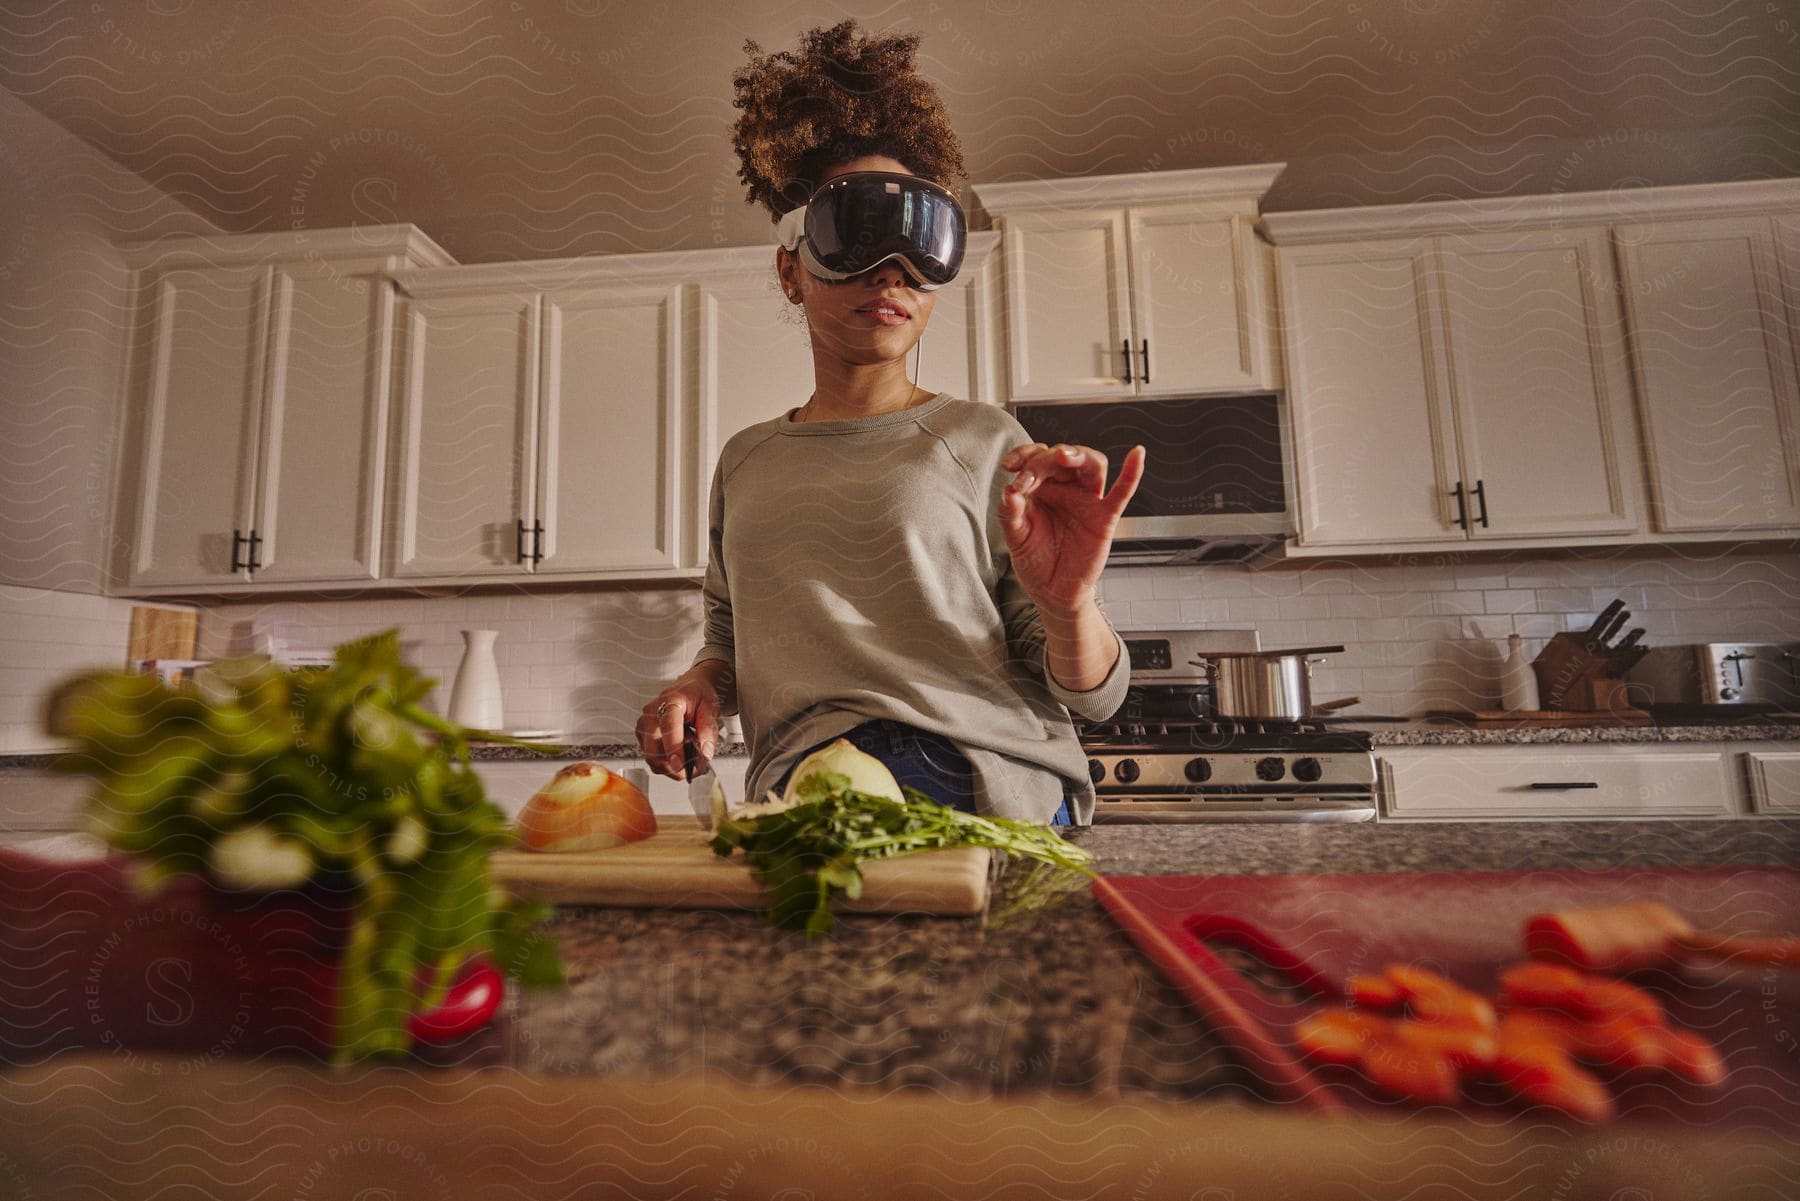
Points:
(1719, 673)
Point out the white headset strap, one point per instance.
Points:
(791, 228)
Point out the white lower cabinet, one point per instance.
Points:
(1464, 783)
(1773, 777)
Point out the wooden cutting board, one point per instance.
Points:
(161, 633)
(675, 868)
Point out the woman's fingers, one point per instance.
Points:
(661, 732)
(1131, 473)
(1037, 464)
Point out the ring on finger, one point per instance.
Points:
(664, 707)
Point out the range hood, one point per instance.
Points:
(1189, 551)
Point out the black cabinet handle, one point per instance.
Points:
(537, 541)
(1125, 349)
(519, 541)
(237, 540)
(1560, 785)
(1462, 510)
(253, 544)
(1145, 377)
(1480, 495)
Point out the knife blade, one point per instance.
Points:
(1591, 640)
(702, 783)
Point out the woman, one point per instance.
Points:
(896, 566)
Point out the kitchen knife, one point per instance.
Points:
(703, 785)
(1596, 634)
(1612, 631)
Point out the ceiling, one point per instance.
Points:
(525, 129)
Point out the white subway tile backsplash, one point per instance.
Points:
(1509, 600)
(1419, 635)
(1565, 600)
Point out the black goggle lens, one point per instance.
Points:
(856, 221)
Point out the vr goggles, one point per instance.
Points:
(863, 219)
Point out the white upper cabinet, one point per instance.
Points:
(609, 462)
(1374, 446)
(199, 414)
(1135, 285)
(1539, 378)
(323, 441)
(1713, 332)
(259, 411)
(1068, 305)
(541, 424)
(1456, 388)
(468, 436)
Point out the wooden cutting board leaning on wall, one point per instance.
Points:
(675, 868)
(161, 634)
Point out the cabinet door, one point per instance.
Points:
(1195, 302)
(755, 363)
(468, 435)
(1067, 306)
(1715, 357)
(204, 386)
(1374, 452)
(324, 432)
(1540, 383)
(610, 421)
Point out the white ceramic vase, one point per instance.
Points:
(475, 694)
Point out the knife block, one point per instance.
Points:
(1563, 669)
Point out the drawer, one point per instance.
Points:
(1555, 781)
(1774, 778)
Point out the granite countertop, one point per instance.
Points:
(1449, 732)
(1059, 1000)
(1418, 732)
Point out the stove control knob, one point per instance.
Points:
(1096, 770)
(1729, 694)
(1270, 770)
(1308, 770)
(1125, 771)
(1198, 771)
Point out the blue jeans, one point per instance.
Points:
(920, 759)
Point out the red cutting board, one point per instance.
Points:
(1317, 931)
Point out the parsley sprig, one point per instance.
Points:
(811, 853)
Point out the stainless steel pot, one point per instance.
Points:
(1265, 685)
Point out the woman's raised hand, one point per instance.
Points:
(1058, 517)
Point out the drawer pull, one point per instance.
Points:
(1560, 785)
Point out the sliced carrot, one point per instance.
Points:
(1328, 1039)
(1373, 992)
(1432, 998)
(1412, 1073)
(1464, 1046)
(1622, 1043)
(1550, 986)
(1691, 1057)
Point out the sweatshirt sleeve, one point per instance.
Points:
(717, 638)
(1024, 626)
(1025, 640)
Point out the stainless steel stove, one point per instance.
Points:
(1164, 758)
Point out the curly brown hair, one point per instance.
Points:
(842, 95)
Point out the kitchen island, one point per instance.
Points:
(985, 1040)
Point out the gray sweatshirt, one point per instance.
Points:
(858, 571)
